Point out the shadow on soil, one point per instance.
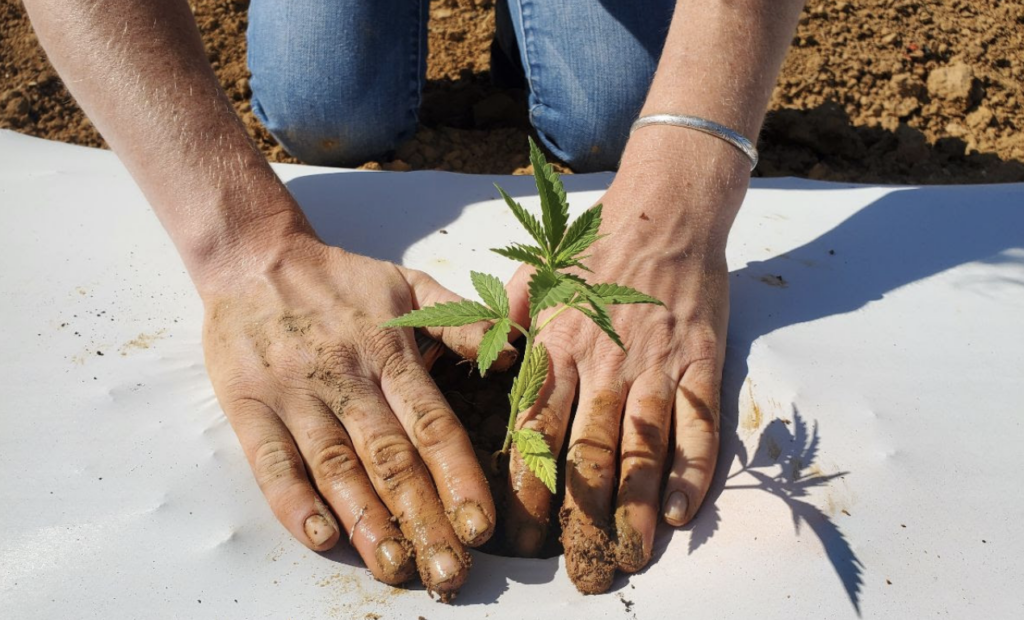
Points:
(905, 236)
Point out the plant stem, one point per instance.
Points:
(517, 395)
(552, 317)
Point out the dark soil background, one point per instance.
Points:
(904, 91)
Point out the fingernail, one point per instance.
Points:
(675, 508)
(443, 565)
(529, 540)
(393, 558)
(318, 529)
(472, 524)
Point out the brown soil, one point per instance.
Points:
(908, 91)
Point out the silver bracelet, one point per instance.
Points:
(701, 124)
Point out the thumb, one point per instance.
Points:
(464, 340)
(518, 289)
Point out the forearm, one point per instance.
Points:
(720, 62)
(138, 69)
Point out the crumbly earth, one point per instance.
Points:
(902, 91)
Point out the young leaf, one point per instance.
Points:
(599, 315)
(537, 455)
(553, 203)
(532, 375)
(492, 291)
(525, 218)
(450, 314)
(529, 254)
(548, 289)
(580, 236)
(618, 294)
(492, 344)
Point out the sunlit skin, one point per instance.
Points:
(310, 382)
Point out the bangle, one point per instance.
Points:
(703, 125)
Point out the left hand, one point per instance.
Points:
(666, 240)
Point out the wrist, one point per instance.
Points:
(692, 183)
(227, 256)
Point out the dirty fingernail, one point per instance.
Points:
(529, 540)
(394, 560)
(675, 508)
(443, 565)
(472, 524)
(318, 529)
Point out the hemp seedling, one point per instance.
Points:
(559, 247)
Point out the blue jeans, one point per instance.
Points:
(338, 82)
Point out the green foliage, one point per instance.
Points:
(560, 246)
(553, 203)
(492, 291)
(537, 455)
(525, 218)
(529, 254)
(618, 294)
(492, 344)
(450, 314)
(548, 289)
(527, 386)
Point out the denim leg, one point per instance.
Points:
(338, 82)
(589, 65)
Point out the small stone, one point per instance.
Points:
(908, 85)
(980, 118)
(952, 83)
(18, 106)
(397, 166)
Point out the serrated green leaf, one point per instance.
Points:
(532, 375)
(598, 313)
(450, 314)
(492, 291)
(548, 289)
(526, 218)
(492, 344)
(531, 255)
(581, 235)
(537, 455)
(617, 294)
(553, 203)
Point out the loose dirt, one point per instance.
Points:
(904, 91)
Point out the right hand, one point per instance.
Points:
(339, 419)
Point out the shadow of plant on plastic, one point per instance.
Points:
(783, 465)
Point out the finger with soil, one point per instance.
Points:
(696, 442)
(645, 429)
(279, 471)
(404, 485)
(445, 448)
(590, 557)
(529, 501)
(463, 340)
(339, 476)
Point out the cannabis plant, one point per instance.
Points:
(559, 246)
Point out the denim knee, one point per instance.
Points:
(337, 82)
(332, 129)
(588, 65)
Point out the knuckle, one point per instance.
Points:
(274, 460)
(336, 463)
(434, 427)
(699, 424)
(383, 344)
(393, 459)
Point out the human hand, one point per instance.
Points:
(339, 419)
(668, 241)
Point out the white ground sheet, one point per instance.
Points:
(872, 408)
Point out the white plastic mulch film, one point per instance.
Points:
(872, 408)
